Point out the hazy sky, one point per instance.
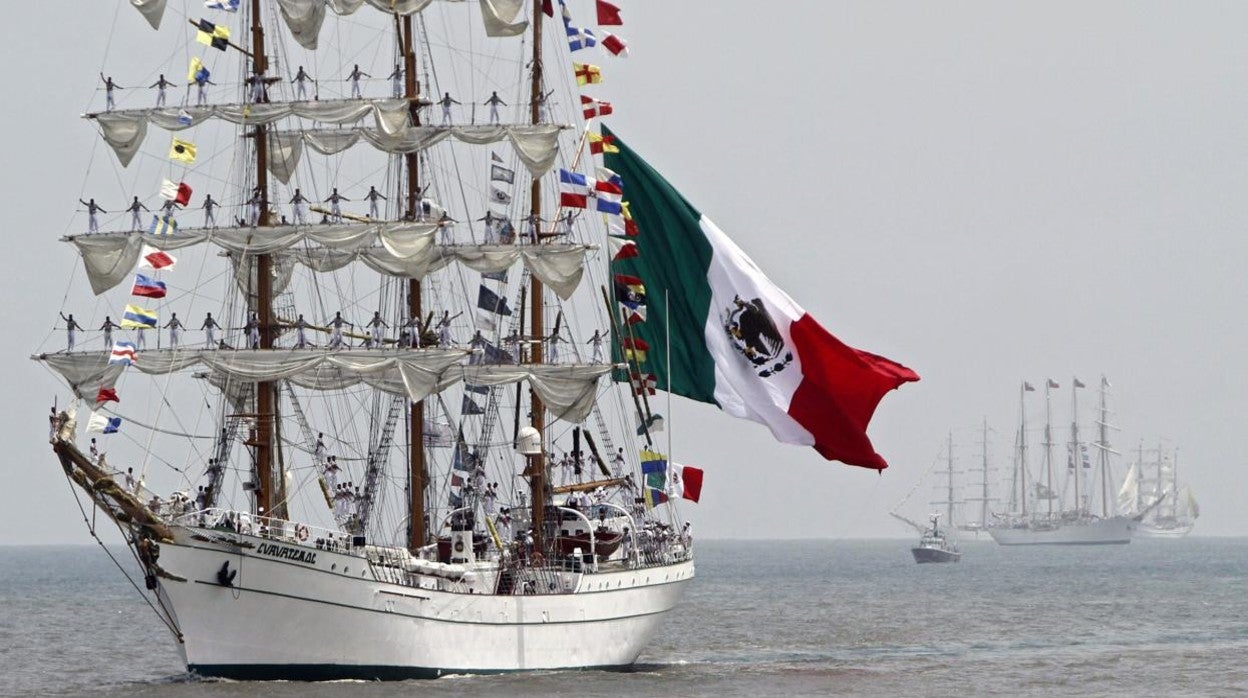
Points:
(986, 192)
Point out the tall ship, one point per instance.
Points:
(1075, 509)
(977, 500)
(370, 383)
(1152, 491)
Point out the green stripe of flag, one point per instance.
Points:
(673, 261)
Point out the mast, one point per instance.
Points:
(1103, 444)
(1076, 458)
(265, 390)
(1160, 487)
(537, 468)
(1048, 443)
(1174, 483)
(416, 533)
(1020, 469)
(949, 485)
(983, 503)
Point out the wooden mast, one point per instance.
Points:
(416, 533)
(265, 398)
(537, 465)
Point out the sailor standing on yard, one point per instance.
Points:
(109, 86)
(396, 82)
(372, 196)
(175, 327)
(71, 326)
(375, 325)
(254, 207)
(413, 332)
(301, 80)
(298, 203)
(533, 221)
(444, 329)
(201, 89)
(334, 200)
(335, 335)
(108, 328)
(301, 333)
(446, 103)
(161, 85)
(553, 342)
(253, 330)
(354, 78)
(491, 237)
(567, 219)
(93, 209)
(494, 101)
(136, 223)
(209, 327)
(209, 205)
(596, 342)
(617, 463)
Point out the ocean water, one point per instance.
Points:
(763, 618)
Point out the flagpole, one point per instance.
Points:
(667, 325)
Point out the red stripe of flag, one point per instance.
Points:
(840, 389)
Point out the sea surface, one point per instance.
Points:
(1156, 618)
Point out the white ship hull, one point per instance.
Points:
(331, 617)
(1146, 531)
(1114, 530)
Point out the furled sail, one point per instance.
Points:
(125, 129)
(400, 249)
(305, 17)
(152, 10)
(500, 17)
(535, 145)
(567, 390)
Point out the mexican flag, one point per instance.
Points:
(737, 339)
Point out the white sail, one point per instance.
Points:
(1187, 503)
(567, 389)
(535, 145)
(399, 249)
(1129, 494)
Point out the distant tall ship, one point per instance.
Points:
(1037, 513)
(1152, 491)
(977, 504)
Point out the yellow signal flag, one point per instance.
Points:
(196, 66)
(587, 74)
(602, 144)
(214, 35)
(182, 151)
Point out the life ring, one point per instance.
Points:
(459, 545)
(301, 532)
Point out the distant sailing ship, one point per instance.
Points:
(275, 540)
(1038, 513)
(977, 503)
(1152, 490)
